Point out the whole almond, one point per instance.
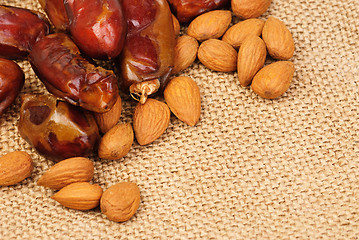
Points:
(210, 25)
(71, 170)
(218, 55)
(80, 196)
(120, 201)
(251, 58)
(176, 25)
(117, 142)
(236, 34)
(249, 8)
(107, 120)
(185, 53)
(279, 40)
(273, 80)
(15, 167)
(183, 98)
(150, 120)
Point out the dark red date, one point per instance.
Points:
(56, 12)
(148, 55)
(19, 30)
(186, 10)
(98, 27)
(57, 62)
(56, 128)
(11, 82)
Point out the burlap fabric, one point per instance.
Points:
(250, 169)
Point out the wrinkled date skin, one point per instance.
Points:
(56, 128)
(149, 48)
(19, 29)
(98, 27)
(65, 73)
(186, 10)
(11, 82)
(56, 12)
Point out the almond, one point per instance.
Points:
(176, 25)
(210, 25)
(117, 142)
(150, 120)
(251, 58)
(218, 55)
(183, 98)
(79, 196)
(279, 40)
(273, 80)
(236, 34)
(249, 8)
(15, 167)
(107, 120)
(120, 201)
(71, 170)
(185, 53)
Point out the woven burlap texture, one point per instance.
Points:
(250, 169)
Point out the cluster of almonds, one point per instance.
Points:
(223, 55)
(71, 177)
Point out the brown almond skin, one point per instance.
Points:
(236, 34)
(15, 167)
(107, 120)
(185, 53)
(218, 55)
(120, 201)
(249, 8)
(117, 142)
(251, 58)
(11, 82)
(71, 170)
(279, 40)
(176, 25)
(183, 98)
(273, 80)
(150, 120)
(210, 25)
(79, 196)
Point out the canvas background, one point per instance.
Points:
(250, 169)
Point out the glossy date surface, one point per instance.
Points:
(148, 53)
(98, 27)
(19, 30)
(56, 128)
(56, 12)
(186, 10)
(65, 73)
(11, 82)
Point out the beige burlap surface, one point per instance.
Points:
(250, 169)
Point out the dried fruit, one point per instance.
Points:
(218, 55)
(185, 53)
(120, 201)
(183, 98)
(279, 40)
(249, 8)
(80, 196)
(236, 34)
(150, 120)
(71, 170)
(251, 58)
(273, 80)
(210, 25)
(117, 142)
(176, 25)
(11, 82)
(107, 120)
(15, 167)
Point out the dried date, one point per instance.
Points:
(56, 12)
